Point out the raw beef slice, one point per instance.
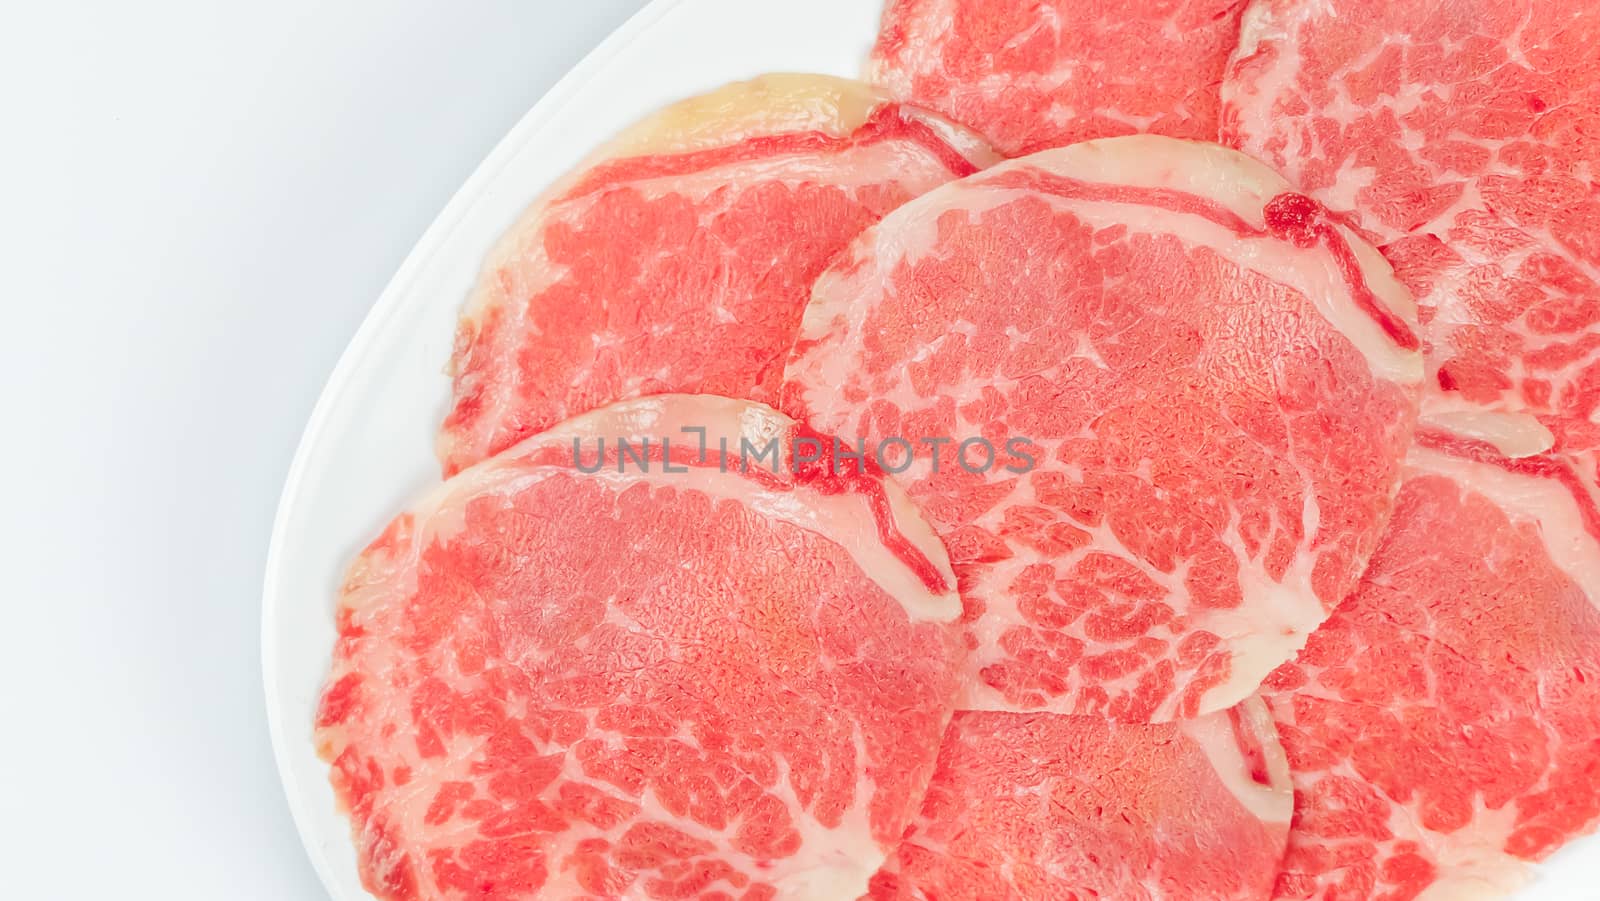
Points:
(691, 681)
(1043, 807)
(1443, 727)
(1036, 74)
(1465, 136)
(1216, 383)
(680, 256)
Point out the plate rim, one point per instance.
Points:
(387, 305)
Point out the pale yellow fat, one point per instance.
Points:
(769, 104)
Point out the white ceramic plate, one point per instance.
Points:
(368, 447)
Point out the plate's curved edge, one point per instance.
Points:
(354, 353)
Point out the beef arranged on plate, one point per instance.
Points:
(1444, 725)
(679, 257)
(1106, 533)
(1216, 384)
(641, 682)
(1035, 74)
(1465, 136)
(1039, 805)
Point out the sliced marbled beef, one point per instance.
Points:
(680, 256)
(1035, 74)
(1464, 137)
(641, 673)
(1444, 725)
(1045, 807)
(1217, 383)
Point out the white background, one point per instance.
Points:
(198, 203)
